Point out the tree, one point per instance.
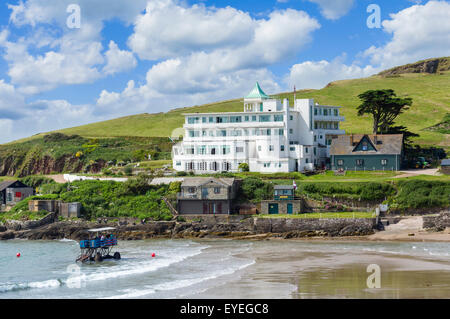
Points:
(243, 167)
(385, 106)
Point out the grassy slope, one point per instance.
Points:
(430, 92)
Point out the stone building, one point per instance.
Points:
(12, 192)
(284, 201)
(207, 196)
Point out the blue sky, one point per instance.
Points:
(131, 57)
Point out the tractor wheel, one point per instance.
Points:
(117, 255)
(98, 257)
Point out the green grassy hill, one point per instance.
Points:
(128, 138)
(430, 93)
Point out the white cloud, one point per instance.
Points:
(11, 102)
(315, 75)
(169, 29)
(65, 56)
(118, 60)
(334, 9)
(418, 32)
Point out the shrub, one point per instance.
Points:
(243, 167)
(254, 189)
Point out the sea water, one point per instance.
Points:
(191, 269)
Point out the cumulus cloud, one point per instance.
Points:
(418, 32)
(118, 60)
(317, 74)
(168, 29)
(334, 9)
(11, 102)
(65, 56)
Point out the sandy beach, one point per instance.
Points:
(324, 269)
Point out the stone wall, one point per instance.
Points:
(438, 222)
(30, 224)
(206, 226)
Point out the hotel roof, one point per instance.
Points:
(257, 93)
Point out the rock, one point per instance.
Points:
(7, 235)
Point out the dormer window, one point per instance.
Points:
(364, 146)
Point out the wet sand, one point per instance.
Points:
(324, 269)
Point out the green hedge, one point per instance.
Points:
(364, 191)
(421, 194)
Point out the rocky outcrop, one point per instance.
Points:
(430, 66)
(233, 228)
(22, 165)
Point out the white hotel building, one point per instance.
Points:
(270, 136)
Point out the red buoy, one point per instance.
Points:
(153, 255)
(18, 255)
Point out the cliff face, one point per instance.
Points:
(430, 66)
(21, 165)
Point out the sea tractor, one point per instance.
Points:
(99, 246)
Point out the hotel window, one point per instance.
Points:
(211, 119)
(315, 111)
(204, 119)
(178, 163)
(264, 118)
(291, 131)
(282, 148)
(247, 118)
(201, 150)
(193, 120)
(261, 107)
(359, 162)
(271, 148)
(315, 138)
(204, 133)
(190, 167)
(315, 125)
(190, 151)
(253, 118)
(226, 166)
(221, 133)
(214, 166)
(292, 149)
(268, 132)
(236, 133)
(325, 112)
(336, 125)
(291, 117)
(194, 133)
(278, 118)
(307, 161)
(259, 148)
(202, 166)
(211, 133)
(239, 149)
(235, 119)
(246, 132)
(216, 190)
(306, 150)
(384, 162)
(279, 164)
(222, 119)
(320, 111)
(226, 149)
(336, 112)
(315, 151)
(340, 162)
(280, 131)
(213, 150)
